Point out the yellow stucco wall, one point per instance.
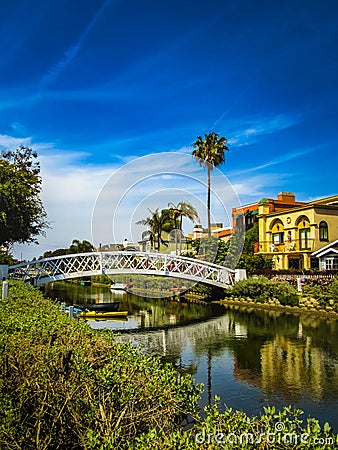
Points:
(300, 230)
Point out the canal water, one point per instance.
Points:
(249, 358)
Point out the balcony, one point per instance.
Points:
(296, 245)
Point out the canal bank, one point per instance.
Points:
(307, 306)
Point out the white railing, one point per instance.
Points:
(87, 264)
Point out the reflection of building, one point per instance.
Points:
(288, 367)
(291, 366)
(286, 357)
(292, 235)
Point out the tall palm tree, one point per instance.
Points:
(210, 153)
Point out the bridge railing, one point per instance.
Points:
(95, 263)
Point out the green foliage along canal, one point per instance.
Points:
(249, 358)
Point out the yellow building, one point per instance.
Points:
(293, 234)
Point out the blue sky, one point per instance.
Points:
(93, 85)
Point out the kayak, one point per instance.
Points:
(104, 319)
(103, 315)
(100, 307)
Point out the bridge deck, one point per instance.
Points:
(87, 264)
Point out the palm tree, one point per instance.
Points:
(182, 209)
(210, 153)
(156, 223)
(177, 212)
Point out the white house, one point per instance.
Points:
(328, 256)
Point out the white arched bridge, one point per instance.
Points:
(109, 263)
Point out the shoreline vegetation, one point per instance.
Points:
(249, 304)
(67, 386)
(317, 297)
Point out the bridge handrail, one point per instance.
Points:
(71, 255)
(129, 253)
(75, 265)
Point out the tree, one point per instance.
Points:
(76, 246)
(210, 153)
(22, 215)
(156, 223)
(81, 247)
(182, 209)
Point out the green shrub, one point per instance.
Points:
(273, 430)
(288, 300)
(323, 290)
(66, 386)
(261, 290)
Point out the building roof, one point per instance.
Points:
(330, 203)
(284, 201)
(327, 201)
(326, 249)
(222, 232)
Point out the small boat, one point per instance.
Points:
(102, 307)
(76, 310)
(103, 319)
(118, 287)
(103, 315)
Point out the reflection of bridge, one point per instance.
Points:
(87, 264)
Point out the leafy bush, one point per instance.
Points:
(273, 430)
(324, 290)
(101, 279)
(66, 386)
(255, 263)
(261, 289)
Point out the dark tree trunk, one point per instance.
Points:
(208, 202)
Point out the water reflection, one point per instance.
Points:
(143, 313)
(249, 358)
(255, 359)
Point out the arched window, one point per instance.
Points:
(304, 232)
(323, 231)
(277, 230)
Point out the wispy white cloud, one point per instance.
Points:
(11, 143)
(72, 51)
(256, 128)
(279, 160)
(102, 203)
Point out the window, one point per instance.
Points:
(331, 263)
(323, 231)
(304, 239)
(278, 238)
(239, 222)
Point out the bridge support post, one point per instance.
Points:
(4, 289)
(3, 271)
(102, 267)
(240, 274)
(71, 311)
